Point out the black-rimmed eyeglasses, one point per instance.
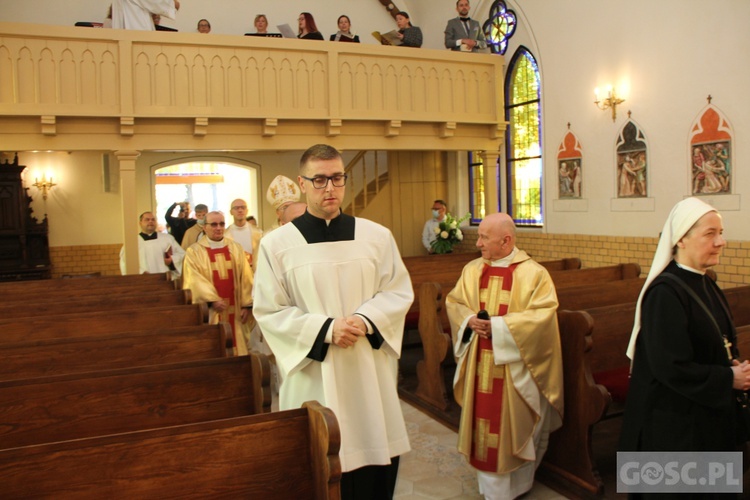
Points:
(321, 181)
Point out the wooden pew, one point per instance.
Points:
(608, 329)
(591, 275)
(743, 341)
(39, 358)
(288, 454)
(599, 294)
(67, 284)
(569, 462)
(30, 296)
(101, 322)
(437, 346)
(739, 303)
(56, 303)
(48, 409)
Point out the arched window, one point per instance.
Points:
(524, 141)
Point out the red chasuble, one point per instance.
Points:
(494, 296)
(222, 275)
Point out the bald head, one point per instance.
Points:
(292, 211)
(496, 236)
(239, 212)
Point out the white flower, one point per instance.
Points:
(437, 229)
(459, 235)
(444, 235)
(453, 225)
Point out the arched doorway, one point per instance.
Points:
(212, 183)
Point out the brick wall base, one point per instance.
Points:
(597, 251)
(85, 259)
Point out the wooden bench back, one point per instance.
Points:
(54, 304)
(599, 294)
(743, 341)
(39, 358)
(31, 296)
(739, 303)
(577, 277)
(613, 326)
(57, 408)
(101, 322)
(287, 454)
(65, 284)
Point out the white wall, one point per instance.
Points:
(667, 55)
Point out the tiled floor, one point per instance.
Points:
(434, 469)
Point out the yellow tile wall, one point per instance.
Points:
(85, 259)
(597, 251)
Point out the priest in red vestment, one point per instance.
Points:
(509, 375)
(216, 272)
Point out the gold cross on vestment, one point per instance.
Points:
(221, 265)
(494, 295)
(484, 439)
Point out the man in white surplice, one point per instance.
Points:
(157, 252)
(331, 294)
(136, 14)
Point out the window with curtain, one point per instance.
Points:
(524, 140)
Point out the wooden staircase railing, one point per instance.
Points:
(368, 174)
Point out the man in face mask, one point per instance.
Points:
(193, 234)
(428, 233)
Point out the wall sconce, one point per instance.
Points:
(611, 101)
(45, 186)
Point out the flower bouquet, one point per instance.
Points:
(448, 234)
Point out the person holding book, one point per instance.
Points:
(344, 34)
(410, 36)
(463, 33)
(157, 252)
(307, 28)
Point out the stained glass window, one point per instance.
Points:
(499, 27)
(524, 146)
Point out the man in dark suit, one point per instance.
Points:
(463, 33)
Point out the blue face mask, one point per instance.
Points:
(435, 214)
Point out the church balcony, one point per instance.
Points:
(67, 88)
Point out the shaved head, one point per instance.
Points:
(496, 236)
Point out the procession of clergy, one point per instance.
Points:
(214, 261)
(328, 279)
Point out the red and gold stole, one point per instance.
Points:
(494, 296)
(222, 275)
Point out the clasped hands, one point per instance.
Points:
(741, 372)
(482, 327)
(221, 305)
(347, 330)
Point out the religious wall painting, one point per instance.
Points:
(632, 162)
(569, 170)
(711, 153)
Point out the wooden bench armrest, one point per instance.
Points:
(325, 442)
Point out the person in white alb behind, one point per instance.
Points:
(157, 252)
(243, 232)
(137, 14)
